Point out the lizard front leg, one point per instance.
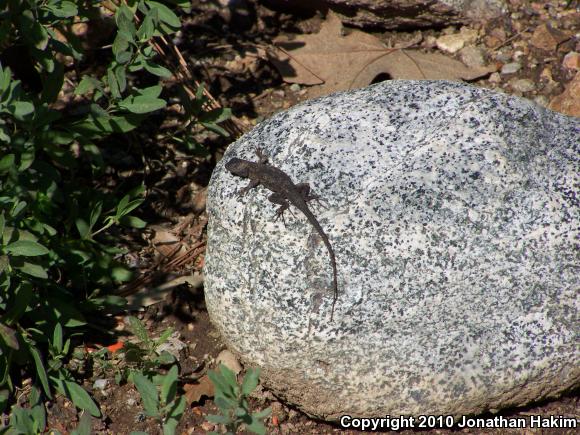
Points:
(262, 158)
(253, 183)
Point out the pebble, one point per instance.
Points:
(450, 43)
(495, 78)
(294, 87)
(100, 384)
(542, 100)
(503, 57)
(229, 360)
(572, 61)
(207, 426)
(510, 68)
(522, 85)
(472, 56)
(131, 402)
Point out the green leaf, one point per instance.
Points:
(218, 419)
(121, 77)
(81, 398)
(37, 410)
(20, 109)
(87, 84)
(124, 20)
(121, 50)
(142, 104)
(125, 206)
(148, 394)
(95, 214)
(167, 16)
(18, 303)
(121, 274)
(52, 84)
(256, 427)
(9, 336)
(4, 396)
(32, 31)
(173, 416)
(230, 377)
(63, 9)
(156, 69)
(82, 227)
(26, 248)
(133, 222)
(57, 342)
(6, 163)
(32, 269)
(216, 115)
(113, 85)
(85, 425)
(215, 128)
(147, 29)
(262, 414)
(250, 381)
(4, 263)
(138, 329)
(40, 370)
(169, 386)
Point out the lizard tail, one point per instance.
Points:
(334, 277)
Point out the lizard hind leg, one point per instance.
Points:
(276, 198)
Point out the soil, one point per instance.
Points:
(222, 48)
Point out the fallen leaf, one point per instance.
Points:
(568, 102)
(194, 392)
(115, 347)
(547, 38)
(336, 63)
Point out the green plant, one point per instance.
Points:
(232, 400)
(163, 405)
(145, 353)
(58, 254)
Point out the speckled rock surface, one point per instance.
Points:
(454, 214)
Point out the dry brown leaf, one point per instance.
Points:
(337, 63)
(568, 102)
(194, 392)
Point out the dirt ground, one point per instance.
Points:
(222, 47)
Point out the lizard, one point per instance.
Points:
(285, 193)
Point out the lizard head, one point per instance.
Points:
(238, 167)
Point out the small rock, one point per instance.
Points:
(542, 100)
(503, 57)
(279, 93)
(131, 402)
(510, 68)
(294, 87)
(207, 426)
(572, 61)
(450, 43)
(100, 384)
(522, 85)
(547, 38)
(173, 345)
(472, 56)
(229, 360)
(495, 78)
